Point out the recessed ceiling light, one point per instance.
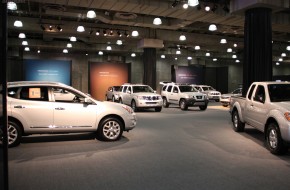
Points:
(234, 56)
(73, 39)
(178, 52)
(223, 41)
(185, 5)
(214, 59)
(162, 56)
(91, 14)
(81, 29)
(18, 23)
(157, 21)
(182, 37)
(26, 49)
(197, 47)
(21, 35)
(69, 45)
(109, 48)
(135, 33)
(101, 53)
(11, 6)
(25, 43)
(212, 27)
(193, 3)
(207, 54)
(189, 58)
(133, 55)
(65, 51)
(229, 50)
(119, 42)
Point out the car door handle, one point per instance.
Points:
(59, 108)
(19, 106)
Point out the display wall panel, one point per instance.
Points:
(47, 70)
(105, 74)
(187, 74)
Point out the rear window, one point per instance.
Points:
(279, 92)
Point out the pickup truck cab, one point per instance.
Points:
(266, 107)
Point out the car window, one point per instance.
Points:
(279, 92)
(169, 88)
(175, 90)
(36, 93)
(65, 95)
(116, 88)
(164, 88)
(237, 91)
(137, 89)
(251, 92)
(260, 94)
(12, 92)
(187, 89)
(124, 88)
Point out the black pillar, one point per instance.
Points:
(3, 104)
(149, 62)
(257, 47)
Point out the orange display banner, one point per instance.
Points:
(34, 93)
(103, 75)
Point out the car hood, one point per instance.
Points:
(283, 105)
(193, 93)
(146, 94)
(211, 91)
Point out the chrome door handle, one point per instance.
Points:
(59, 108)
(19, 106)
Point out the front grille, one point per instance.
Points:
(198, 97)
(151, 98)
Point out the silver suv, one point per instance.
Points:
(140, 96)
(211, 93)
(49, 107)
(183, 95)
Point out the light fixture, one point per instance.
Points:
(135, 33)
(81, 29)
(87, 54)
(193, 3)
(119, 42)
(178, 52)
(223, 41)
(11, 6)
(91, 14)
(126, 34)
(21, 35)
(38, 51)
(18, 23)
(111, 32)
(65, 51)
(280, 59)
(157, 21)
(101, 53)
(235, 45)
(288, 48)
(133, 55)
(42, 27)
(212, 27)
(214, 8)
(176, 58)
(185, 5)
(59, 28)
(98, 33)
(229, 50)
(109, 48)
(174, 4)
(162, 56)
(283, 54)
(237, 61)
(25, 43)
(119, 33)
(207, 54)
(189, 58)
(214, 59)
(277, 63)
(69, 45)
(50, 27)
(73, 39)
(182, 37)
(234, 56)
(197, 47)
(105, 32)
(207, 8)
(26, 49)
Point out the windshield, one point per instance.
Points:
(279, 92)
(187, 89)
(137, 89)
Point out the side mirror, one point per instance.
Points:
(88, 101)
(129, 92)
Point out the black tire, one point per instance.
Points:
(238, 126)
(14, 134)
(183, 105)
(158, 109)
(203, 107)
(113, 99)
(165, 102)
(133, 106)
(274, 141)
(110, 129)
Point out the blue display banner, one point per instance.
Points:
(47, 70)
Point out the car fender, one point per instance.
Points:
(238, 107)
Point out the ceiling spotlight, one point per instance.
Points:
(277, 63)
(176, 58)
(25, 43)
(26, 49)
(162, 56)
(283, 54)
(185, 5)
(101, 53)
(280, 59)
(119, 42)
(212, 27)
(21, 35)
(59, 28)
(69, 45)
(98, 33)
(193, 3)
(288, 48)
(189, 58)
(207, 54)
(73, 39)
(214, 59)
(50, 27)
(133, 55)
(197, 47)
(157, 21)
(235, 45)
(182, 37)
(81, 29)
(18, 23)
(237, 61)
(229, 50)
(111, 32)
(119, 33)
(91, 14)
(109, 48)
(38, 51)
(135, 33)
(174, 4)
(178, 52)
(207, 8)
(11, 6)
(223, 41)
(65, 51)
(234, 56)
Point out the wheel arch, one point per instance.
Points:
(115, 116)
(269, 120)
(237, 108)
(10, 118)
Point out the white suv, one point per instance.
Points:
(49, 107)
(183, 95)
(140, 96)
(209, 91)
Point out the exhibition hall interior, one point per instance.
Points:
(56, 49)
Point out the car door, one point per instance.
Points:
(70, 112)
(32, 107)
(256, 109)
(174, 95)
(128, 96)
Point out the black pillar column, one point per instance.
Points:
(3, 104)
(149, 62)
(257, 47)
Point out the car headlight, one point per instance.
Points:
(128, 109)
(287, 116)
(141, 98)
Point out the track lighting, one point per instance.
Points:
(59, 28)
(42, 27)
(175, 3)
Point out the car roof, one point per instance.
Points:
(34, 83)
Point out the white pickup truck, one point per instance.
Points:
(266, 107)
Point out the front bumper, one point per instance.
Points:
(194, 102)
(149, 104)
